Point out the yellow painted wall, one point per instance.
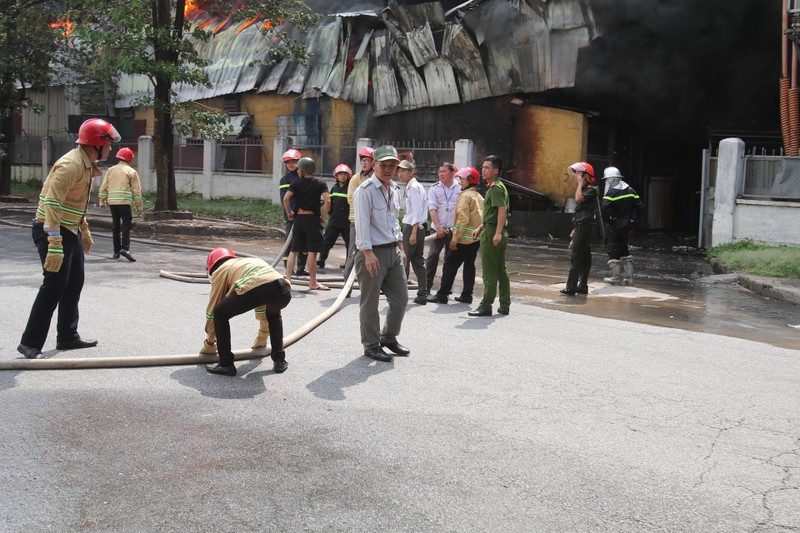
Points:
(145, 113)
(548, 140)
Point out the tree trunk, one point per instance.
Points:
(7, 145)
(163, 140)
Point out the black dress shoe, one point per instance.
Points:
(28, 352)
(226, 370)
(436, 299)
(463, 299)
(480, 312)
(582, 290)
(502, 310)
(279, 367)
(76, 344)
(378, 354)
(303, 272)
(421, 300)
(115, 256)
(397, 348)
(127, 255)
(568, 292)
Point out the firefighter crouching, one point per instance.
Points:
(239, 284)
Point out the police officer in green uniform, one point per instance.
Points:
(494, 240)
(585, 209)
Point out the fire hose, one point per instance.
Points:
(186, 359)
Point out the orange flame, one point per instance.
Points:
(190, 7)
(246, 25)
(267, 25)
(66, 24)
(221, 25)
(207, 23)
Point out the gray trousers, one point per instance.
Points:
(416, 256)
(432, 262)
(392, 280)
(351, 252)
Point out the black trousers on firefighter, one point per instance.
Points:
(332, 233)
(60, 289)
(122, 219)
(617, 241)
(464, 254)
(275, 295)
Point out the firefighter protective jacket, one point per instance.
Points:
(65, 193)
(121, 186)
(622, 208)
(340, 208)
(237, 275)
(469, 215)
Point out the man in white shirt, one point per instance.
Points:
(414, 226)
(442, 207)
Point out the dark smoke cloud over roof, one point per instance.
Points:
(684, 65)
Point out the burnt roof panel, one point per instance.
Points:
(459, 49)
(415, 94)
(384, 83)
(356, 87)
(564, 46)
(421, 45)
(323, 47)
(441, 82)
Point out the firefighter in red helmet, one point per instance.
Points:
(586, 202)
(366, 159)
(290, 158)
(120, 190)
(239, 284)
(338, 221)
(61, 235)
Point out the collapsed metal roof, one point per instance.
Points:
(415, 55)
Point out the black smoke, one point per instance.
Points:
(682, 67)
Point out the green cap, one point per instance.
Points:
(385, 153)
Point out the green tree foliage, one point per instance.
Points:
(27, 45)
(149, 38)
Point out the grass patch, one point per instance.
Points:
(256, 211)
(759, 259)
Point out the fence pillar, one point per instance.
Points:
(209, 166)
(730, 172)
(46, 149)
(361, 143)
(279, 146)
(464, 153)
(145, 162)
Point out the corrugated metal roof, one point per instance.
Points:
(459, 49)
(415, 94)
(384, 82)
(323, 46)
(489, 48)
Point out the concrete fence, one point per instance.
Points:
(738, 218)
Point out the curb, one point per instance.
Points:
(771, 287)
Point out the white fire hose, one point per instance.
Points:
(190, 359)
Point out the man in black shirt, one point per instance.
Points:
(307, 218)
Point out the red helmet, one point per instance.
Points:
(366, 151)
(126, 154)
(343, 168)
(471, 174)
(582, 166)
(291, 154)
(217, 255)
(97, 132)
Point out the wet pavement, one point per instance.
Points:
(675, 286)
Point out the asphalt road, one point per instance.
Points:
(543, 420)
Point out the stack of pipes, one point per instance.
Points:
(789, 92)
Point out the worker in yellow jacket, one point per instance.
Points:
(122, 188)
(61, 235)
(464, 247)
(239, 284)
